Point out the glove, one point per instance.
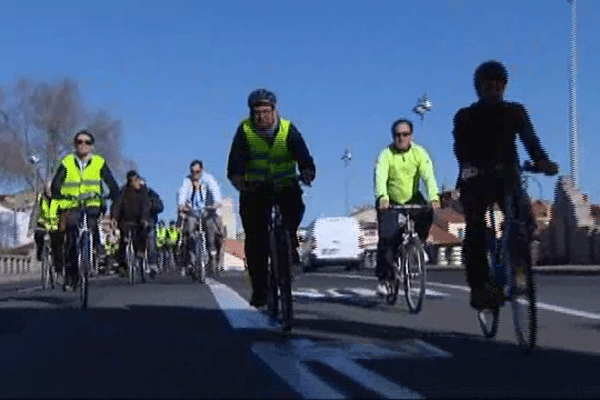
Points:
(549, 167)
(307, 175)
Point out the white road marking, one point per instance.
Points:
(541, 305)
(287, 359)
(239, 313)
(30, 289)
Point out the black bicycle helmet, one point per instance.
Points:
(261, 96)
(489, 69)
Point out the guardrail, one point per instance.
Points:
(16, 266)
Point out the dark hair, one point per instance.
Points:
(83, 132)
(131, 174)
(489, 69)
(196, 162)
(402, 121)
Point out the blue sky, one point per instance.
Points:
(178, 74)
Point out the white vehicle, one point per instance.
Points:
(331, 241)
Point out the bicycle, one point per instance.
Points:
(279, 267)
(47, 269)
(510, 268)
(133, 261)
(202, 262)
(84, 246)
(409, 261)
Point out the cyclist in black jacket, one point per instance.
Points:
(485, 147)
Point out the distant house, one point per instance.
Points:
(451, 221)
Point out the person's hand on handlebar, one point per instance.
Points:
(307, 175)
(548, 167)
(435, 204)
(384, 204)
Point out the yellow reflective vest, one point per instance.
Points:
(79, 182)
(161, 236)
(48, 214)
(266, 162)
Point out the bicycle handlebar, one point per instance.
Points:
(255, 185)
(411, 207)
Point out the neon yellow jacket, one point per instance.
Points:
(397, 174)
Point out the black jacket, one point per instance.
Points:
(239, 152)
(485, 135)
(156, 205)
(131, 205)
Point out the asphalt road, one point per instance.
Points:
(175, 338)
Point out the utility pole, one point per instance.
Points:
(346, 157)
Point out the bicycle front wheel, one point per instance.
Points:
(85, 263)
(414, 274)
(524, 302)
(46, 267)
(272, 280)
(131, 261)
(285, 280)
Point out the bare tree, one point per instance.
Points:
(108, 133)
(41, 118)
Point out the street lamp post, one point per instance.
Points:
(423, 106)
(573, 129)
(346, 157)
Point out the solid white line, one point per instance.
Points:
(568, 311)
(239, 313)
(544, 306)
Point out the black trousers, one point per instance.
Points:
(139, 235)
(476, 195)
(254, 212)
(389, 233)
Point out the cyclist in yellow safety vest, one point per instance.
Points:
(80, 173)
(47, 221)
(267, 147)
(172, 235)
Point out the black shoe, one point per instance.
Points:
(488, 297)
(258, 300)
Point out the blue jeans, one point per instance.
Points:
(152, 258)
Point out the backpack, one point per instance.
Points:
(156, 204)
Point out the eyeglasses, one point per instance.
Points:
(88, 142)
(405, 134)
(196, 171)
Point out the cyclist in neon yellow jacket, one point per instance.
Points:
(80, 173)
(47, 221)
(399, 168)
(267, 147)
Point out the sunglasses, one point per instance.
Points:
(405, 134)
(88, 142)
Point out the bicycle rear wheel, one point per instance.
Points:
(285, 280)
(272, 280)
(414, 274)
(524, 302)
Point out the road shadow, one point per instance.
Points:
(133, 352)
(477, 367)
